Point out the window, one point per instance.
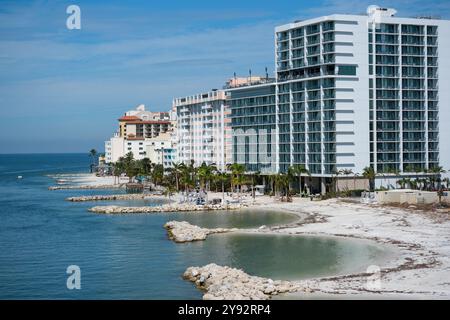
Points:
(347, 70)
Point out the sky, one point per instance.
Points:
(63, 90)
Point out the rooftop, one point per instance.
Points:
(128, 118)
(248, 81)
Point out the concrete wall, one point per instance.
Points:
(406, 196)
(352, 94)
(343, 184)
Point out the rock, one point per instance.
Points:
(105, 186)
(182, 231)
(221, 282)
(163, 208)
(133, 196)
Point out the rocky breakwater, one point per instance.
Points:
(103, 186)
(131, 196)
(164, 208)
(182, 231)
(225, 283)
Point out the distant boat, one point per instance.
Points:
(19, 177)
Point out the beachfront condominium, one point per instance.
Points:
(203, 128)
(145, 134)
(351, 91)
(253, 122)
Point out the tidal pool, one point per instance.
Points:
(287, 257)
(245, 218)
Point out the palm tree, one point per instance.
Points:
(254, 175)
(186, 178)
(421, 183)
(92, 154)
(239, 180)
(202, 174)
(436, 171)
(369, 173)
(275, 181)
(205, 174)
(145, 166)
(169, 188)
(413, 183)
(283, 182)
(130, 166)
(403, 182)
(272, 180)
(334, 177)
(298, 170)
(118, 169)
(158, 174)
(177, 171)
(131, 170)
(237, 170)
(192, 171)
(222, 177)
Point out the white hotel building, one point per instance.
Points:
(145, 134)
(353, 91)
(203, 128)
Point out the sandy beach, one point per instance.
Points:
(421, 269)
(85, 179)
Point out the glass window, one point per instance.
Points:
(347, 70)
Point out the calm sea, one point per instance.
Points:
(130, 257)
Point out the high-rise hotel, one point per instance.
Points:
(351, 91)
(203, 129)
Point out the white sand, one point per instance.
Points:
(421, 268)
(88, 179)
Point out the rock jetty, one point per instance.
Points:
(225, 283)
(103, 186)
(182, 231)
(131, 196)
(164, 208)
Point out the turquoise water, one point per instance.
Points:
(129, 256)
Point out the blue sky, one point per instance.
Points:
(62, 90)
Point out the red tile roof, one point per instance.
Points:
(149, 122)
(128, 118)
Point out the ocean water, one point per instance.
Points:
(129, 256)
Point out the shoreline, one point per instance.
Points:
(112, 197)
(67, 181)
(418, 258)
(400, 277)
(420, 268)
(170, 208)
